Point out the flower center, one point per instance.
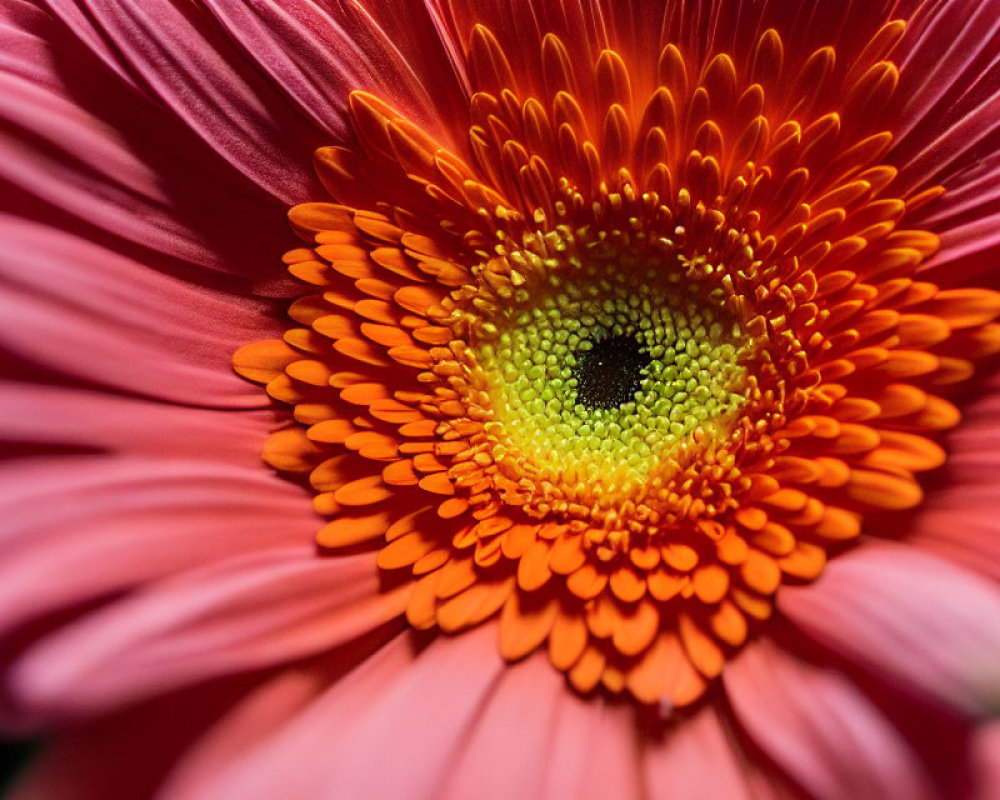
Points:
(600, 374)
(608, 372)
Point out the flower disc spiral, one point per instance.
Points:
(655, 344)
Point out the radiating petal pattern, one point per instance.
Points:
(636, 367)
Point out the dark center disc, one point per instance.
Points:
(608, 375)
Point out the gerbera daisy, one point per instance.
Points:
(628, 415)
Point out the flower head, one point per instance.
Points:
(635, 421)
(659, 345)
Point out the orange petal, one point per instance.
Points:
(399, 473)
(487, 553)
(882, 490)
(613, 679)
(646, 558)
(412, 356)
(938, 414)
(567, 639)
(518, 539)
(456, 576)
(390, 410)
(837, 523)
(363, 492)
(374, 445)
(315, 373)
(420, 609)
(477, 603)
(427, 463)
(664, 585)
(854, 438)
(404, 551)
(710, 583)
(438, 483)
(587, 582)
(386, 335)
(431, 561)
(567, 554)
(524, 624)
(333, 473)
(453, 507)
(904, 451)
(417, 299)
(774, 539)
(533, 569)
(324, 504)
(665, 673)
(319, 216)
(731, 548)
(729, 624)
(308, 341)
(362, 350)
(680, 557)
(627, 585)
(899, 399)
(756, 606)
(786, 500)
(964, 308)
(602, 615)
(761, 573)
(752, 518)
(332, 431)
(290, 450)
(362, 394)
(422, 519)
(806, 562)
(346, 531)
(634, 631)
(262, 362)
(586, 673)
(704, 653)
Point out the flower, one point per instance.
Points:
(619, 342)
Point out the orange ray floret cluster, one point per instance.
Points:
(707, 187)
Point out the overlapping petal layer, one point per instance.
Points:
(134, 173)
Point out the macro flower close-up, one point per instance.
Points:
(518, 399)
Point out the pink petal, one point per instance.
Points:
(959, 523)
(82, 26)
(85, 419)
(315, 55)
(96, 157)
(188, 64)
(695, 758)
(985, 771)
(593, 752)
(911, 619)
(394, 727)
(958, 519)
(247, 612)
(75, 307)
(969, 252)
(123, 755)
(23, 30)
(78, 529)
(97, 179)
(536, 738)
(250, 722)
(947, 60)
(947, 133)
(819, 728)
